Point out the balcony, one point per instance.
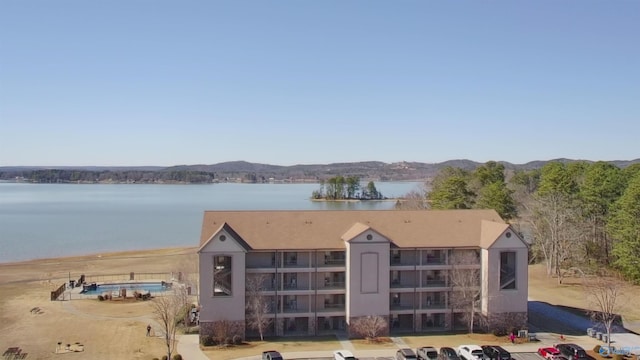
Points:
(331, 259)
(401, 306)
(293, 307)
(401, 284)
(434, 260)
(434, 283)
(332, 262)
(332, 285)
(330, 307)
(294, 263)
(434, 305)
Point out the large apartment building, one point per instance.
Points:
(319, 270)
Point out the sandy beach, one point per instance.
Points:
(106, 330)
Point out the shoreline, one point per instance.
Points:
(108, 255)
(357, 200)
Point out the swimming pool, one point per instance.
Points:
(153, 287)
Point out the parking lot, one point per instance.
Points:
(526, 356)
(514, 356)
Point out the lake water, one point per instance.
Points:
(53, 220)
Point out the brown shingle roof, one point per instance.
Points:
(281, 230)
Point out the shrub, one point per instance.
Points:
(500, 332)
(228, 340)
(596, 349)
(618, 357)
(237, 339)
(100, 298)
(182, 316)
(164, 357)
(207, 340)
(192, 330)
(177, 357)
(369, 327)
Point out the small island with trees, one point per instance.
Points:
(340, 188)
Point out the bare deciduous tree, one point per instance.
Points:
(188, 267)
(604, 295)
(557, 232)
(166, 310)
(413, 200)
(464, 279)
(257, 305)
(225, 330)
(369, 327)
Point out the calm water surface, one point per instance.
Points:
(52, 220)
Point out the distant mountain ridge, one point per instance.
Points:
(243, 171)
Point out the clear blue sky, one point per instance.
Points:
(299, 82)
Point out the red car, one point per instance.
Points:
(548, 352)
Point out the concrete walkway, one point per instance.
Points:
(345, 343)
(189, 347)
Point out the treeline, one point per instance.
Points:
(581, 217)
(345, 188)
(106, 176)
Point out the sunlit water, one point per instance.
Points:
(52, 220)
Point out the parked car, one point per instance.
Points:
(427, 353)
(470, 352)
(343, 355)
(271, 355)
(447, 353)
(572, 351)
(493, 352)
(406, 354)
(548, 352)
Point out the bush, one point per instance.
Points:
(618, 357)
(100, 298)
(177, 357)
(228, 341)
(596, 349)
(192, 330)
(500, 332)
(237, 339)
(207, 340)
(164, 357)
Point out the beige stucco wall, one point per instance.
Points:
(494, 299)
(370, 302)
(222, 307)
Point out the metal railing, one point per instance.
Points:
(130, 277)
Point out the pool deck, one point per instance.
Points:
(76, 293)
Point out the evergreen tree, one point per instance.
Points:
(497, 196)
(624, 228)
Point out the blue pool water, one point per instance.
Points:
(131, 287)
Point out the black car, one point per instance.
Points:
(271, 355)
(572, 351)
(447, 353)
(492, 352)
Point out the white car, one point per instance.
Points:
(470, 352)
(343, 355)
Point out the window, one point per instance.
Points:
(507, 270)
(222, 283)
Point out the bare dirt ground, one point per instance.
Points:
(571, 296)
(108, 330)
(116, 330)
